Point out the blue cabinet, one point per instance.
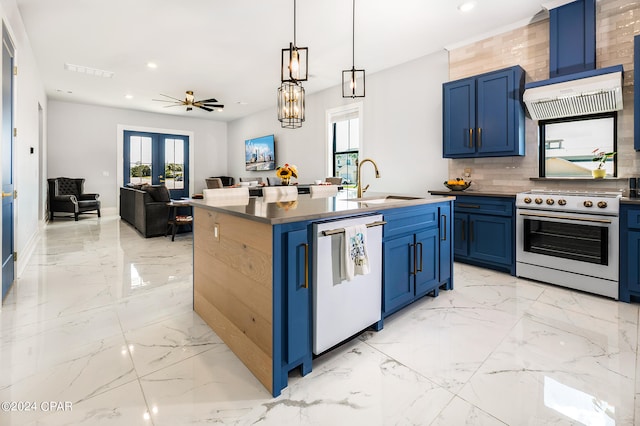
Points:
(484, 232)
(416, 250)
(636, 93)
(629, 252)
(572, 38)
(483, 116)
(292, 302)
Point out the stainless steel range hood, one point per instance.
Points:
(589, 92)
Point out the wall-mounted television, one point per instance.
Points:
(260, 154)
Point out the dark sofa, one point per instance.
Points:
(145, 208)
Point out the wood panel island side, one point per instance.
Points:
(252, 271)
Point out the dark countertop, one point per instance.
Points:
(306, 208)
(471, 192)
(627, 200)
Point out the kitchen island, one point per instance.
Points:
(252, 269)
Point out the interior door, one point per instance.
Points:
(8, 273)
(156, 158)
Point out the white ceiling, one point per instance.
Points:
(230, 49)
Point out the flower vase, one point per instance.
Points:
(599, 173)
(285, 181)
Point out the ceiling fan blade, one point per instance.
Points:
(206, 108)
(171, 97)
(207, 100)
(189, 108)
(169, 106)
(164, 100)
(214, 105)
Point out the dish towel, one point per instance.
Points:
(355, 261)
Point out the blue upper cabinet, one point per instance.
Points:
(483, 116)
(572, 38)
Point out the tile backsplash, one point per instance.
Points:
(617, 22)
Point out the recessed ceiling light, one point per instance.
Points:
(152, 65)
(467, 6)
(128, 96)
(242, 103)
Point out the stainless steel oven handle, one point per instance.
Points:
(550, 216)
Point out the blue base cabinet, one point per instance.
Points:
(483, 116)
(416, 251)
(484, 231)
(292, 345)
(629, 253)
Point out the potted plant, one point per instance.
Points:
(601, 157)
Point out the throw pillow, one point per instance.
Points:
(158, 192)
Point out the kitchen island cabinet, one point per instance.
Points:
(483, 116)
(252, 272)
(417, 254)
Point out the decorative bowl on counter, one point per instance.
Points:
(458, 186)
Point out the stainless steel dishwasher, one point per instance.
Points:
(343, 308)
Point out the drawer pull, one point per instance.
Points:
(341, 230)
(468, 206)
(306, 266)
(444, 227)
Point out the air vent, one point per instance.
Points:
(87, 70)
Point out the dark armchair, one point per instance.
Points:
(67, 195)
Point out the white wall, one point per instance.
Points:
(29, 92)
(402, 129)
(83, 143)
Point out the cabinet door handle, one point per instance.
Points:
(444, 227)
(471, 231)
(464, 225)
(414, 271)
(421, 264)
(306, 266)
(467, 206)
(479, 137)
(471, 137)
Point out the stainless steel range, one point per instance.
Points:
(569, 238)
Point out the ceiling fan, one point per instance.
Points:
(190, 102)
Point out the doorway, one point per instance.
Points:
(8, 194)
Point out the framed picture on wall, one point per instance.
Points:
(260, 154)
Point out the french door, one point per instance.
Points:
(156, 158)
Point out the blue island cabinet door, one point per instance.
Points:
(398, 285)
(427, 261)
(496, 113)
(459, 117)
(460, 235)
(446, 234)
(298, 321)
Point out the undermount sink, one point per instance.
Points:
(385, 199)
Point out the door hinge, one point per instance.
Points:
(15, 132)
(15, 256)
(15, 70)
(15, 194)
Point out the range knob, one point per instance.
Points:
(538, 200)
(527, 200)
(562, 202)
(602, 204)
(588, 203)
(550, 201)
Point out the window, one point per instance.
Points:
(567, 145)
(346, 145)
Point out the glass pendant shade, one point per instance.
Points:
(294, 64)
(353, 83)
(291, 104)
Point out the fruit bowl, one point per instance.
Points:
(458, 187)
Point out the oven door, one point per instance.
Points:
(570, 242)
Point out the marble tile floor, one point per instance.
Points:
(102, 320)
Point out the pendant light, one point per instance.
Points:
(353, 79)
(293, 70)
